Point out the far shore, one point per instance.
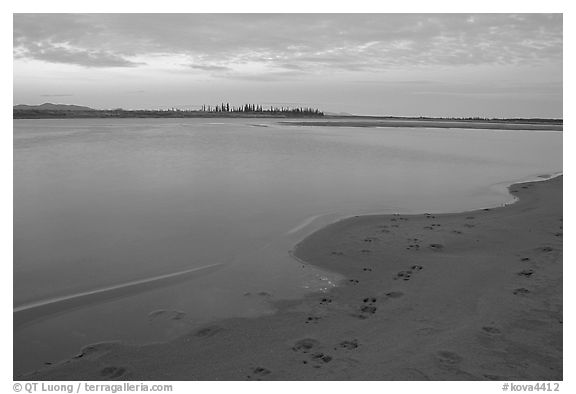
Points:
(491, 124)
(463, 296)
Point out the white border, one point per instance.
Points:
(304, 6)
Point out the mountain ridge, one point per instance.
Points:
(53, 107)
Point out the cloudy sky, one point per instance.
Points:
(497, 65)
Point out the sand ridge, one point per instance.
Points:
(467, 296)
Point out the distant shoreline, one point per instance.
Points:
(292, 119)
(112, 114)
(490, 124)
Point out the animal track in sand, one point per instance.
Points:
(112, 372)
(407, 274)
(367, 308)
(365, 269)
(525, 259)
(457, 231)
(491, 330)
(321, 357)
(325, 301)
(309, 347)
(436, 246)
(545, 249)
(448, 358)
(259, 372)
(428, 228)
(353, 281)
(404, 275)
(526, 273)
(312, 319)
(348, 345)
(305, 345)
(557, 234)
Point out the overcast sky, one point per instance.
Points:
(497, 65)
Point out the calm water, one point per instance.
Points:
(101, 203)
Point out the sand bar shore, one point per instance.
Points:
(464, 296)
(432, 123)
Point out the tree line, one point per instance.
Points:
(255, 108)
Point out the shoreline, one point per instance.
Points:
(475, 295)
(445, 124)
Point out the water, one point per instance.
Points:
(102, 203)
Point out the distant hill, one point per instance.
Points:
(52, 107)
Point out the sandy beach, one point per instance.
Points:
(464, 296)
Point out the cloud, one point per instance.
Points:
(82, 57)
(208, 67)
(340, 42)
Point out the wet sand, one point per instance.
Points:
(466, 296)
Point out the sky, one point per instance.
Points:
(488, 65)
